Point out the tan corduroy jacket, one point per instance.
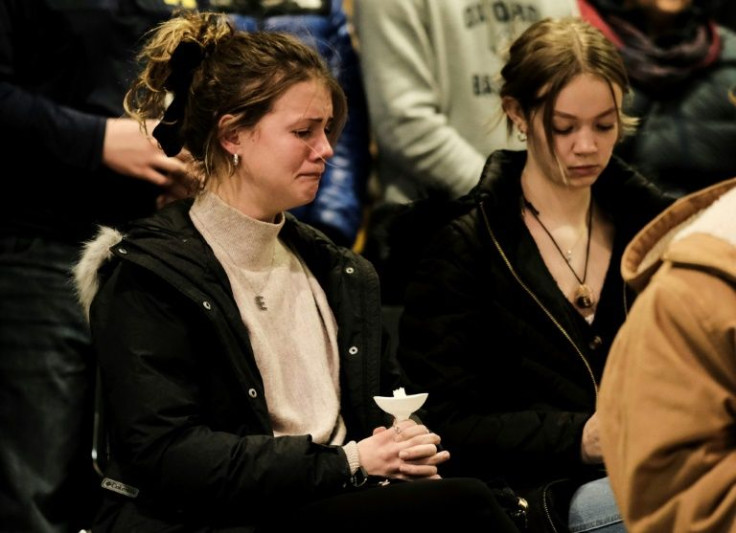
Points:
(667, 402)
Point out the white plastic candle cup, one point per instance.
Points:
(401, 407)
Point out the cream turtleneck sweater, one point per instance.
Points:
(295, 339)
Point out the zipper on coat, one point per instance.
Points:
(534, 297)
(547, 513)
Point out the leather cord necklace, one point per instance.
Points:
(583, 294)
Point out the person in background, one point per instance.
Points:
(240, 349)
(341, 202)
(681, 64)
(430, 70)
(668, 394)
(64, 68)
(515, 300)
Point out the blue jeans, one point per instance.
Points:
(593, 508)
(47, 484)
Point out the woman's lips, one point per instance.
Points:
(584, 171)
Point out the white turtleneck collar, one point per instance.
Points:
(248, 243)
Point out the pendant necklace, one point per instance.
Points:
(259, 299)
(583, 294)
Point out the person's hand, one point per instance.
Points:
(421, 453)
(129, 151)
(183, 186)
(590, 447)
(406, 451)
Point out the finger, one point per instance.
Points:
(423, 438)
(172, 166)
(410, 470)
(378, 430)
(425, 457)
(409, 431)
(157, 178)
(420, 451)
(405, 425)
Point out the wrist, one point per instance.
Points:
(358, 474)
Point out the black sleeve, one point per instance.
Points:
(58, 132)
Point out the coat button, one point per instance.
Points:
(207, 305)
(353, 350)
(349, 270)
(252, 393)
(595, 343)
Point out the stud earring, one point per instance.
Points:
(236, 160)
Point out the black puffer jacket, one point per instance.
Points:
(686, 137)
(185, 401)
(511, 368)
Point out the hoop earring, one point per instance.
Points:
(236, 160)
(521, 136)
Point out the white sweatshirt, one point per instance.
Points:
(431, 70)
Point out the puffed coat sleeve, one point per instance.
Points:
(186, 439)
(667, 403)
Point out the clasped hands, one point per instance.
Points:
(405, 451)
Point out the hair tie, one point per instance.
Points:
(184, 61)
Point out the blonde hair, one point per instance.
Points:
(212, 69)
(547, 56)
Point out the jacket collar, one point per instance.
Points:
(626, 196)
(677, 232)
(95, 253)
(167, 235)
(168, 242)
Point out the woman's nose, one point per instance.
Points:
(585, 142)
(323, 148)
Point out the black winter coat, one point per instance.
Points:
(512, 369)
(184, 398)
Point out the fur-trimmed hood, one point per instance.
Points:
(710, 211)
(94, 254)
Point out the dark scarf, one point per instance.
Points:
(656, 63)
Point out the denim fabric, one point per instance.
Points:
(593, 508)
(46, 476)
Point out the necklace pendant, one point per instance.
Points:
(583, 297)
(568, 255)
(261, 303)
